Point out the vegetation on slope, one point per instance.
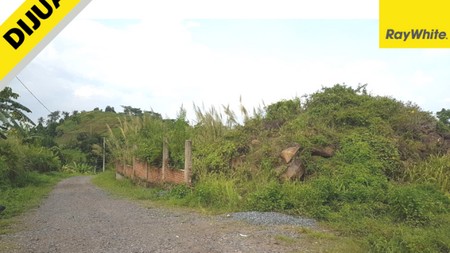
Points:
(384, 180)
(386, 183)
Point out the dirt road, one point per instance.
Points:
(79, 217)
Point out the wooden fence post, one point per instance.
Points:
(134, 158)
(165, 160)
(147, 180)
(187, 161)
(132, 171)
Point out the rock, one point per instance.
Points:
(325, 152)
(289, 153)
(255, 142)
(294, 171)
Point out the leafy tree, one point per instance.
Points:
(12, 113)
(444, 116)
(41, 121)
(109, 109)
(131, 110)
(53, 117)
(66, 115)
(89, 144)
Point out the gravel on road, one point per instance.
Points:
(79, 217)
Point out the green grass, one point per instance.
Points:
(19, 200)
(124, 188)
(226, 196)
(416, 224)
(434, 170)
(91, 122)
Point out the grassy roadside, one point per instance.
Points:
(20, 200)
(323, 240)
(353, 229)
(126, 188)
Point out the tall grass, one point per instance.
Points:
(434, 170)
(365, 182)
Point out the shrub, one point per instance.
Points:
(355, 183)
(68, 156)
(216, 191)
(283, 110)
(375, 152)
(83, 168)
(398, 238)
(417, 204)
(4, 170)
(307, 198)
(268, 198)
(180, 191)
(12, 170)
(215, 157)
(41, 160)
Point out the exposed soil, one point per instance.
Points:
(79, 217)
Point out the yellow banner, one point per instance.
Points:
(414, 24)
(29, 29)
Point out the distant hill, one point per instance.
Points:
(93, 122)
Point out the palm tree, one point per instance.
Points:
(12, 113)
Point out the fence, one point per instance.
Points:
(143, 172)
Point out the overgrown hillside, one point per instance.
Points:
(374, 168)
(92, 122)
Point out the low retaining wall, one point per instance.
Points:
(143, 172)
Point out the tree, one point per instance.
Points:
(109, 109)
(53, 117)
(12, 113)
(66, 115)
(444, 116)
(131, 110)
(40, 121)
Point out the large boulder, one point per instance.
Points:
(289, 153)
(295, 170)
(326, 152)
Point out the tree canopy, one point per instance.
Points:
(12, 113)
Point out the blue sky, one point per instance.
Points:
(163, 58)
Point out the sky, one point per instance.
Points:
(160, 55)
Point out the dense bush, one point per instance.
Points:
(17, 160)
(387, 177)
(417, 204)
(12, 170)
(216, 191)
(142, 137)
(374, 152)
(268, 198)
(41, 160)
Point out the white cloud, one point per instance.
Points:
(249, 9)
(155, 63)
(86, 92)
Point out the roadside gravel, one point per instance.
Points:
(272, 218)
(79, 217)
